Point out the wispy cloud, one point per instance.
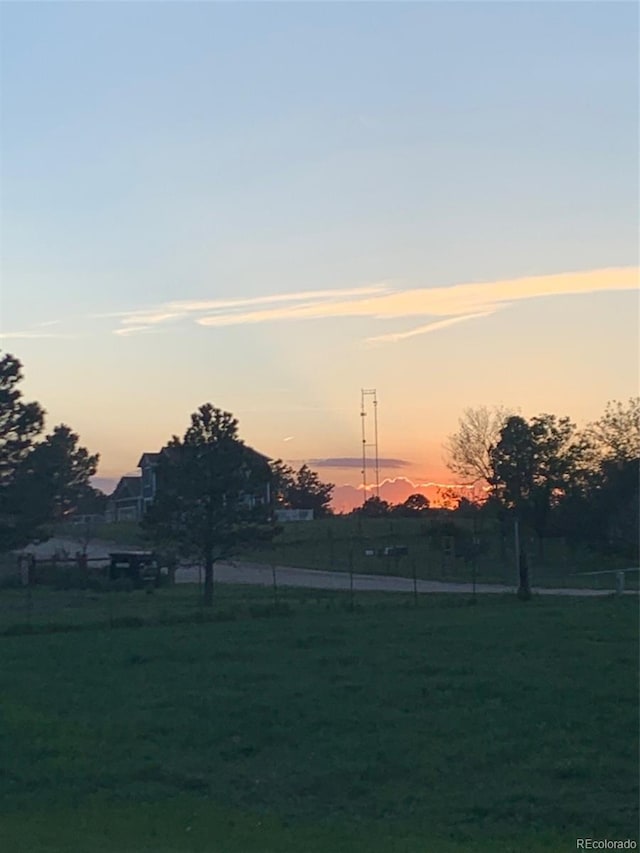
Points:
(459, 300)
(356, 462)
(30, 335)
(382, 302)
(178, 310)
(125, 331)
(153, 318)
(392, 337)
(302, 296)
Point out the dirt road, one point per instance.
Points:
(261, 575)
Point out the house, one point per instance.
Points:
(125, 504)
(148, 464)
(134, 494)
(261, 496)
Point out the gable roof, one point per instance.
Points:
(149, 458)
(152, 458)
(127, 488)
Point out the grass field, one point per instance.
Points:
(444, 727)
(42, 609)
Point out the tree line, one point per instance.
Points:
(545, 473)
(215, 495)
(43, 479)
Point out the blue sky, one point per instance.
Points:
(163, 153)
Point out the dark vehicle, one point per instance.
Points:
(139, 567)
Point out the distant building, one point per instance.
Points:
(134, 494)
(125, 504)
(148, 464)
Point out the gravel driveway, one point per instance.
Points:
(261, 575)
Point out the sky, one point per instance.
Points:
(271, 206)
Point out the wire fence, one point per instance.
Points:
(56, 594)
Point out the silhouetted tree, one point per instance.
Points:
(467, 508)
(601, 508)
(448, 498)
(207, 485)
(414, 506)
(613, 489)
(468, 450)
(617, 507)
(39, 483)
(20, 422)
(302, 489)
(92, 501)
(616, 435)
(282, 481)
(512, 461)
(374, 507)
(49, 483)
(309, 492)
(56, 474)
(560, 466)
(535, 465)
(547, 474)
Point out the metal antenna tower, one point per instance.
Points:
(367, 445)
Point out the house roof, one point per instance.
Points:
(127, 488)
(154, 457)
(256, 454)
(148, 457)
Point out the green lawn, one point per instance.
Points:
(43, 609)
(444, 727)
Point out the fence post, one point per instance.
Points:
(275, 585)
(23, 568)
(619, 583)
(415, 581)
(351, 579)
(31, 579)
(474, 575)
(516, 538)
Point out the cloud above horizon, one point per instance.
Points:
(392, 337)
(442, 306)
(395, 490)
(356, 462)
(31, 335)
